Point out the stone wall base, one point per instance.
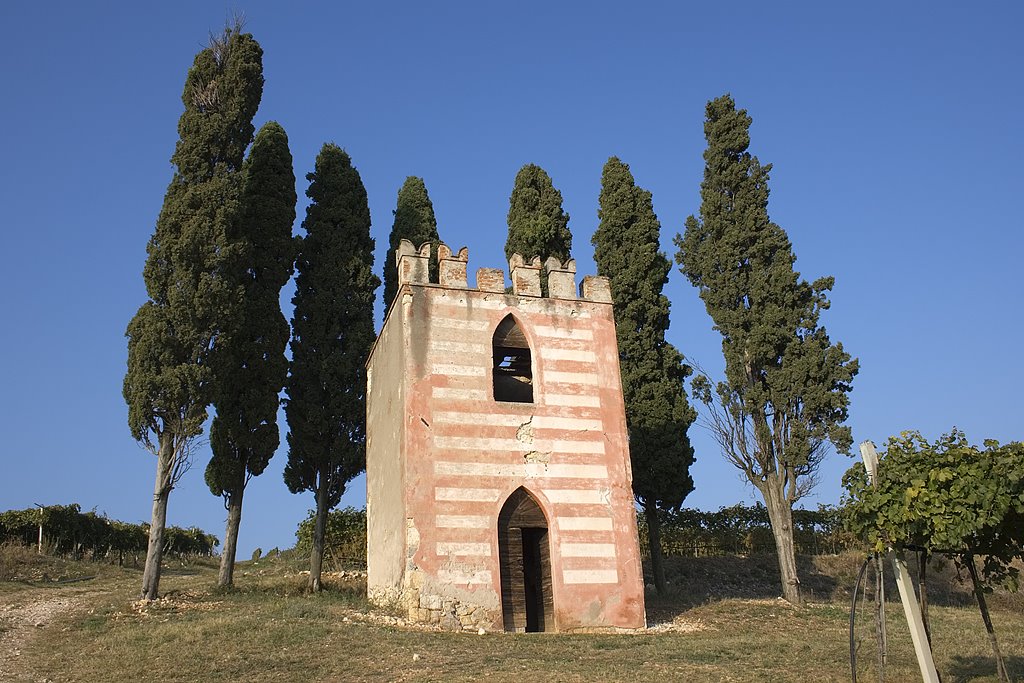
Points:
(451, 614)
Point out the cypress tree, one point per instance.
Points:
(537, 225)
(785, 394)
(249, 358)
(332, 332)
(414, 221)
(627, 251)
(169, 378)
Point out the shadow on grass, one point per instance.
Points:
(694, 581)
(349, 592)
(947, 586)
(966, 669)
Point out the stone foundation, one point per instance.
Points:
(451, 614)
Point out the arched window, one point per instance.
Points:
(513, 371)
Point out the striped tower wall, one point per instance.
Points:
(443, 456)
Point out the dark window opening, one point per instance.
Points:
(513, 368)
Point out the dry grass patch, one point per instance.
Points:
(269, 629)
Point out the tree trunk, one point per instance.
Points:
(983, 606)
(316, 559)
(226, 576)
(654, 545)
(780, 514)
(161, 492)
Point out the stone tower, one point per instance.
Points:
(497, 466)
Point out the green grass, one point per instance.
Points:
(267, 629)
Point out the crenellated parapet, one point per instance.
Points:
(413, 269)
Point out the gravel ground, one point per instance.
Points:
(21, 617)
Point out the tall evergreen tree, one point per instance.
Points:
(169, 379)
(627, 251)
(248, 357)
(785, 394)
(537, 225)
(332, 333)
(414, 221)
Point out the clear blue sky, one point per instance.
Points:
(895, 130)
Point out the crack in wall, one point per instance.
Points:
(524, 434)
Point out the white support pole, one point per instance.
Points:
(870, 456)
(40, 548)
(911, 609)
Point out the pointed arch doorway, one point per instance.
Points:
(524, 554)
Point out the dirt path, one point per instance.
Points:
(25, 613)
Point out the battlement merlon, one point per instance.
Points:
(414, 269)
(452, 268)
(413, 264)
(525, 276)
(561, 278)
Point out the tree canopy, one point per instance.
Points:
(627, 251)
(167, 381)
(537, 224)
(414, 221)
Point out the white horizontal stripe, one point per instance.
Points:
(590, 576)
(577, 471)
(463, 521)
(573, 400)
(479, 469)
(587, 550)
(569, 354)
(578, 496)
(483, 303)
(458, 324)
(459, 394)
(475, 549)
(475, 443)
(571, 377)
(458, 370)
(454, 576)
(584, 523)
(486, 469)
(467, 495)
(578, 424)
(499, 420)
(459, 347)
(569, 423)
(575, 446)
(563, 332)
